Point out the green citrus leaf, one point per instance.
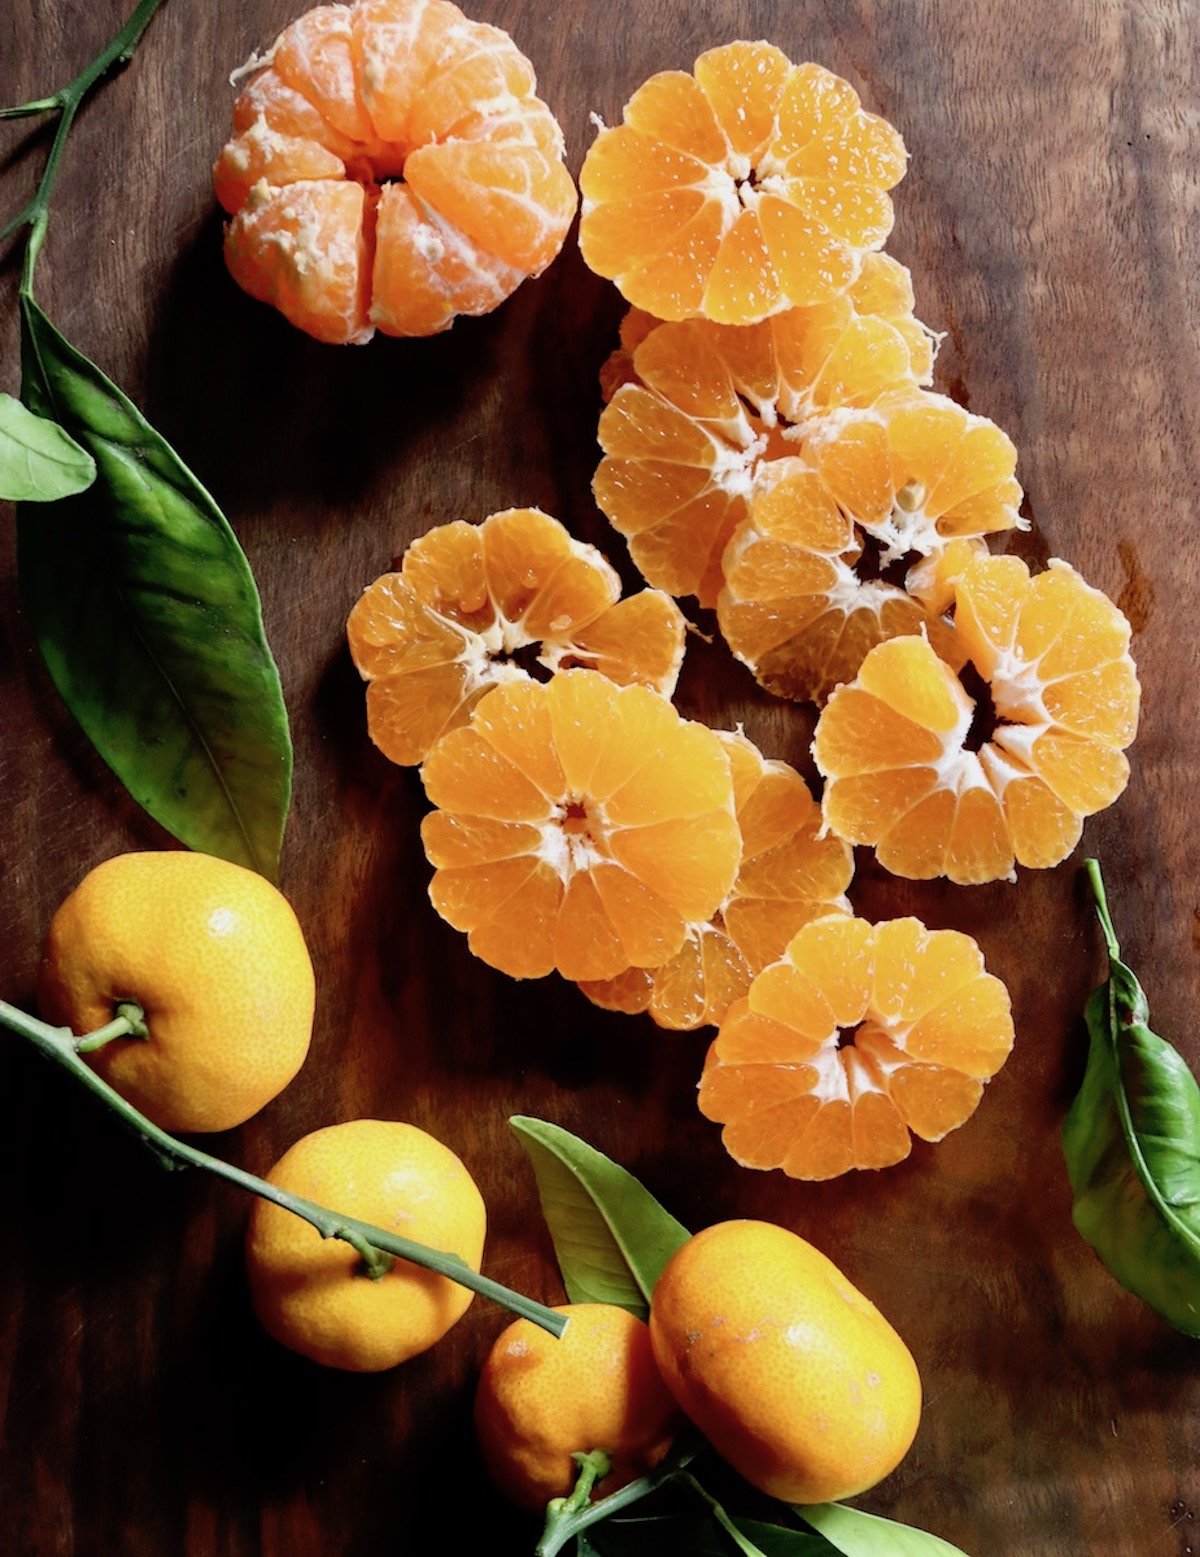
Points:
(39, 460)
(855, 1534)
(145, 610)
(611, 1236)
(1132, 1144)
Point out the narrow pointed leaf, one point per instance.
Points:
(1132, 1144)
(146, 612)
(611, 1236)
(855, 1534)
(39, 460)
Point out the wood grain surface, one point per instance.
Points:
(1051, 218)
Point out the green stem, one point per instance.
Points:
(743, 1543)
(119, 1027)
(563, 1525)
(59, 1045)
(41, 105)
(1127, 1004)
(593, 1467)
(66, 102)
(1096, 881)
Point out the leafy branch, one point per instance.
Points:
(377, 1247)
(612, 1239)
(1132, 1144)
(140, 598)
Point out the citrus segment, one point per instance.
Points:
(907, 773)
(412, 296)
(789, 874)
(698, 414)
(858, 1035)
(432, 121)
(268, 98)
(269, 155)
(736, 193)
(880, 488)
(476, 70)
(315, 56)
(470, 599)
(632, 827)
(306, 249)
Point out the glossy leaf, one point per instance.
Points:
(856, 1534)
(39, 460)
(611, 1237)
(145, 610)
(1132, 1144)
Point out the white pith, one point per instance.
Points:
(568, 853)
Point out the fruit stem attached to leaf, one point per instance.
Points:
(373, 1243)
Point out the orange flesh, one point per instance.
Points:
(698, 414)
(579, 826)
(738, 192)
(788, 876)
(436, 637)
(858, 1035)
(408, 91)
(893, 745)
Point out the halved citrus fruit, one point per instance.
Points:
(699, 411)
(911, 767)
(857, 1036)
(791, 872)
(580, 826)
(473, 604)
(391, 168)
(744, 189)
(876, 492)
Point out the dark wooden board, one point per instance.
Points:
(1051, 218)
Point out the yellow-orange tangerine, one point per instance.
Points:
(579, 826)
(540, 1401)
(698, 412)
(877, 490)
(786, 1368)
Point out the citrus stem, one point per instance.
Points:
(743, 1544)
(593, 1467)
(1096, 882)
(566, 1518)
(59, 1045)
(40, 105)
(129, 1022)
(66, 103)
